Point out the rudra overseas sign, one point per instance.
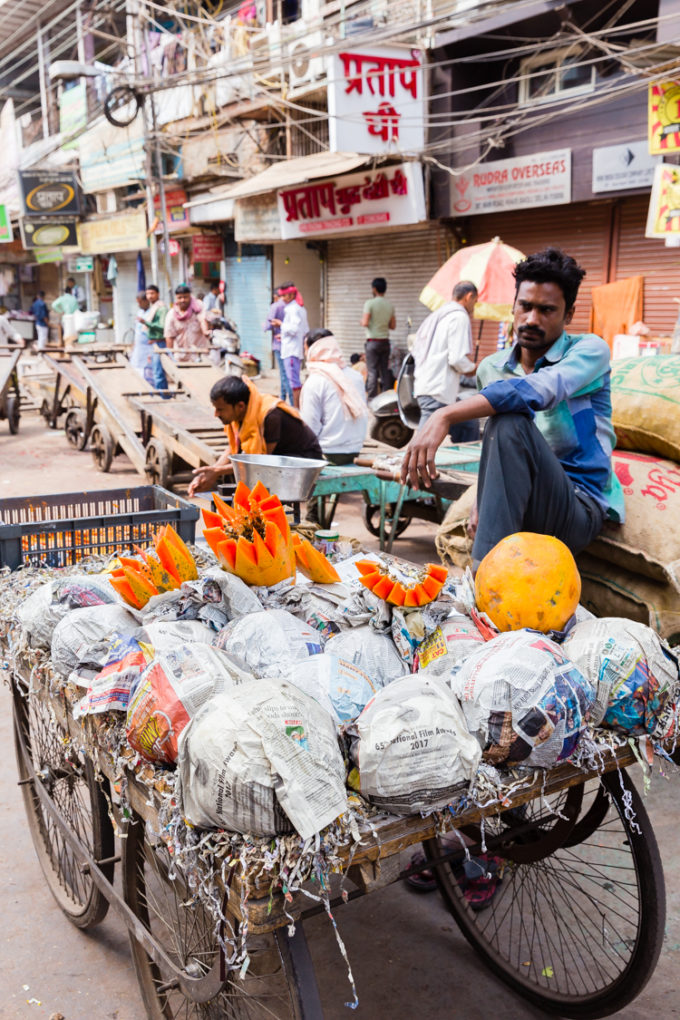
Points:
(543, 178)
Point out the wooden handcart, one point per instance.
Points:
(10, 398)
(576, 925)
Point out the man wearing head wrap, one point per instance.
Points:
(333, 399)
(294, 327)
(183, 326)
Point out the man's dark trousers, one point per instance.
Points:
(523, 487)
(378, 364)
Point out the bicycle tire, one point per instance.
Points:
(73, 789)
(578, 932)
(278, 985)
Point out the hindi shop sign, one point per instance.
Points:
(376, 101)
(49, 193)
(523, 182)
(390, 197)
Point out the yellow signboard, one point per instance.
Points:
(663, 218)
(664, 118)
(124, 232)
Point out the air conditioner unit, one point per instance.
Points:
(306, 62)
(107, 201)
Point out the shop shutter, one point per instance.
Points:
(125, 308)
(581, 230)
(638, 255)
(249, 288)
(407, 259)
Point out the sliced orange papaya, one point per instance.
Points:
(411, 598)
(277, 515)
(430, 586)
(366, 566)
(159, 575)
(370, 580)
(437, 571)
(211, 519)
(226, 511)
(313, 563)
(182, 548)
(226, 553)
(383, 586)
(142, 589)
(213, 537)
(122, 586)
(270, 503)
(258, 492)
(241, 496)
(398, 595)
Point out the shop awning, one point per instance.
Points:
(291, 171)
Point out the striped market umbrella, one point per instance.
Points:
(489, 266)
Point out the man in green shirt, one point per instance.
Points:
(67, 304)
(378, 319)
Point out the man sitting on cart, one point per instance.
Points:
(255, 423)
(546, 463)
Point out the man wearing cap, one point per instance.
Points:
(294, 328)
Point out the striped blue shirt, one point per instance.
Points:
(567, 395)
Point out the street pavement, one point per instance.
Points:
(405, 950)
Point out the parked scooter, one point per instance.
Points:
(226, 346)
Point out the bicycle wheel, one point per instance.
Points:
(372, 520)
(576, 929)
(75, 793)
(278, 985)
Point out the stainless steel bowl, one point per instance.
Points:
(290, 478)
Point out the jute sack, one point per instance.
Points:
(646, 404)
(608, 590)
(452, 541)
(649, 541)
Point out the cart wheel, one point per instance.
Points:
(102, 446)
(279, 982)
(75, 427)
(372, 520)
(12, 413)
(46, 413)
(157, 466)
(576, 930)
(75, 793)
(390, 430)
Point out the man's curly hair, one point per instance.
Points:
(551, 266)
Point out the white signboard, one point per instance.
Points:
(543, 178)
(257, 219)
(617, 167)
(388, 197)
(376, 100)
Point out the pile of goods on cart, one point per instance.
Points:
(280, 685)
(631, 569)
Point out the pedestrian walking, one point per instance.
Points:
(66, 306)
(154, 317)
(378, 319)
(184, 332)
(333, 399)
(294, 327)
(41, 317)
(78, 293)
(275, 314)
(442, 354)
(141, 355)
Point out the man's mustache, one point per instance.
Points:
(531, 331)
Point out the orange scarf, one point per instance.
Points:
(249, 435)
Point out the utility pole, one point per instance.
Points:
(159, 170)
(134, 36)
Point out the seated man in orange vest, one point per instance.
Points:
(254, 423)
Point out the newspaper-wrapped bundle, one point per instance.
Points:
(635, 674)
(82, 637)
(451, 643)
(170, 692)
(40, 613)
(214, 598)
(266, 643)
(109, 689)
(165, 634)
(523, 699)
(341, 687)
(261, 759)
(413, 749)
(374, 652)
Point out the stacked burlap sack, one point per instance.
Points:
(631, 570)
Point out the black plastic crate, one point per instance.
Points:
(62, 528)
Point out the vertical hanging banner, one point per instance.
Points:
(663, 218)
(664, 118)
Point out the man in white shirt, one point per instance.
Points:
(333, 399)
(442, 354)
(294, 328)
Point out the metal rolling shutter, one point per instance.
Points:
(407, 259)
(249, 290)
(581, 230)
(638, 255)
